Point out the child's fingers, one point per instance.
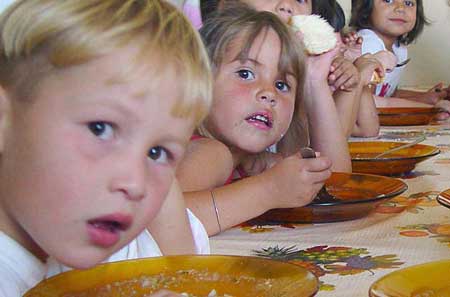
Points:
(317, 164)
(436, 88)
(442, 116)
(342, 81)
(319, 177)
(337, 63)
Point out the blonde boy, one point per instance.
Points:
(97, 102)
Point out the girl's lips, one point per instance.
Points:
(397, 20)
(105, 231)
(262, 120)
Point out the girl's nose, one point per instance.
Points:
(285, 9)
(399, 6)
(267, 98)
(130, 179)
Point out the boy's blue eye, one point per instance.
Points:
(245, 74)
(389, 1)
(282, 86)
(302, 1)
(410, 3)
(101, 129)
(158, 154)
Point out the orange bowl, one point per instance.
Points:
(357, 195)
(428, 279)
(406, 116)
(399, 162)
(196, 275)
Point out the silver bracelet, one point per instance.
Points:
(216, 210)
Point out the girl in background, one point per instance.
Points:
(257, 68)
(348, 102)
(392, 25)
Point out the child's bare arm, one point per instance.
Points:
(345, 79)
(367, 122)
(173, 236)
(432, 96)
(326, 133)
(291, 182)
(207, 163)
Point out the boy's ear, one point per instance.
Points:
(5, 105)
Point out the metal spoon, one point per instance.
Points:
(322, 196)
(418, 140)
(444, 198)
(403, 63)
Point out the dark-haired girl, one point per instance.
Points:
(392, 25)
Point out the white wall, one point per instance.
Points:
(430, 55)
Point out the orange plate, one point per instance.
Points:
(357, 195)
(197, 275)
(429, 279)
(406, 116)
(397, 163)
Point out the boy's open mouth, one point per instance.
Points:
(105, 231)
(111, 226)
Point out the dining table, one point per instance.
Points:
(348, 257)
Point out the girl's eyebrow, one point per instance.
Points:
(253, 61)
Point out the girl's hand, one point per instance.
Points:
(444, 104)
(352, 46)
(436, 93)
(318, 66)
(343, 75)
(296, 181)
(387, 59)
(367, 65)
(447, 97)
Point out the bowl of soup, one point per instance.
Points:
(193, 276)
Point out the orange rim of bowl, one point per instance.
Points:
(402, 187)
(433, 153)
(400, 271)
(408, 111)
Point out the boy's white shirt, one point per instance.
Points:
(19, 269)
(373, 44)
(144, 246)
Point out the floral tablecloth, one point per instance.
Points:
(348, 257)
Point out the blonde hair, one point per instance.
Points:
(41, 36)
(239, 20)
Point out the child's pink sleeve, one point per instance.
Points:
(191, 10)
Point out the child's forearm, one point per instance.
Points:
(367, 123)
(347, 106)
(408, 94)
(174, 236)
(235, 203)
(326, 133)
